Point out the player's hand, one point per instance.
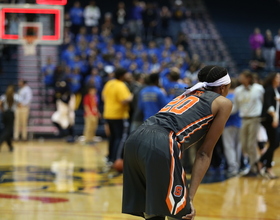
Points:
(192, 214)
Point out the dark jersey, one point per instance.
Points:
(188, 116)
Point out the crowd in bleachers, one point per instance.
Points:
(91, 51)
(151, 52)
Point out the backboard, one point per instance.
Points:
(19, 19)
(52, 2)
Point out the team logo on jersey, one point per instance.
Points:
(178, 190)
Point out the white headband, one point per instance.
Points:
(222, 81)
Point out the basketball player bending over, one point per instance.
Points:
(155, 183)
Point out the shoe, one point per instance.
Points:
(251, 174)
(270, 175)
(70, 140)
(232, 173)
(89, 143)
(107, 167)
(263, 171)
(244, 171)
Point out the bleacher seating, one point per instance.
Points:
(205, 39)
(236, 25)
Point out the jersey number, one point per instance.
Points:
(180, 105)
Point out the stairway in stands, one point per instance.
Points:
(8, 70)
(29, 68)
(204, 38)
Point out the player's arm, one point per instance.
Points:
(221, 109)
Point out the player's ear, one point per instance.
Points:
(221, 89)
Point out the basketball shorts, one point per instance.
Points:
(154, 181)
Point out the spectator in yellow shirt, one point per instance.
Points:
(116, 97)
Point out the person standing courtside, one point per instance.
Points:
(116, 97)
(91, 114)
(231, 136)
(8, 105)
(249, 101)
(270, 121)
(22, 112)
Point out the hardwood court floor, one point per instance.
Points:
(54, 180)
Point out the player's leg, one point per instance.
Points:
(252, 143)
(166, 189)
(134, 180)
(229, 150)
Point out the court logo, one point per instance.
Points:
(60, 178)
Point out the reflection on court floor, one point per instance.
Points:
(56, 180)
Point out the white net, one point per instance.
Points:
(29, 48)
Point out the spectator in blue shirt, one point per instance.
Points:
(138, 46)
(94, 79)
(82, 35)
(79, 63)
(74, 79)
(174, 86)
(126, 61)
(94, 35)
(152, 49)
(135, 18)
(155, 65)
(48, 72)
(151, 98)
(110, 48)
(68, 55)
(82, 48)
(168, 45)
(120, 45)
(77, 17)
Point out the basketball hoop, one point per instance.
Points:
(29, 45)
(30, 34)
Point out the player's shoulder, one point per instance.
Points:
(221, 105)
(223, 102)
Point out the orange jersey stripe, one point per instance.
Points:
(169, 199)
(185, 137)
(196, 122)
(183, 202)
